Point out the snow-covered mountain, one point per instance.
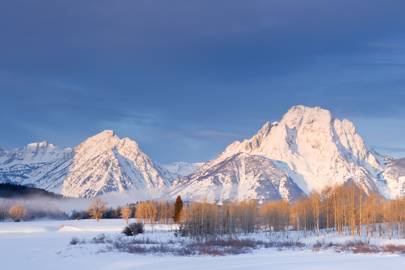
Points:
(40, 164)
(101, 164)
(105, 163)
(394, 173)
(309, 149)
(182, 168)
(241, 177)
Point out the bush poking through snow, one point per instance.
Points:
(133, 229)
(74, 241)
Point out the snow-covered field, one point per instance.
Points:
(46, 245)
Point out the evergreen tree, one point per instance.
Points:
(178, 209)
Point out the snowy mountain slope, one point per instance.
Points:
(395, 176)
(182, 168)
(40, 164)
(241, 177)
(322, 152)
(105, 163)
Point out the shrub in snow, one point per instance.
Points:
(133, 229)
(74, 241)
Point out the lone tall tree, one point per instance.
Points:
(178, 209)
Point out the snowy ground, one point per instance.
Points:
(45, 245)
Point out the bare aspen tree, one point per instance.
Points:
(126, 213)
(315, 200)
(17, 212)
(97, 209)
(165, 212)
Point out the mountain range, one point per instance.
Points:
(307, 150)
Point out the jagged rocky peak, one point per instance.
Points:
(41, 148)
(40, 145)
(36, 152)
(301, 114)
(106, 140)
(307, 131)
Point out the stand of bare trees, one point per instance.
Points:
(346, 209)
(155, 212)
(204, 219)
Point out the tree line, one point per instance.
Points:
(344, 209)
(147, 211)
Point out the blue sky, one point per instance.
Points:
(186, 78)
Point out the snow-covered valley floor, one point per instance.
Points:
(46, 245)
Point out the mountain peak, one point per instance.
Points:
(100, 141)
(298, 115)
(314, 149)
(106, 163)
(104, 134)
(41, 144)
(302, 109)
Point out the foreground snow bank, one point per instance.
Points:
(75, 226)
(45, 245)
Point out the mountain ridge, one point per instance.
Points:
(101, 164)
(307, 150)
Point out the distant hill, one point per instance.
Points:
(17, 191)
